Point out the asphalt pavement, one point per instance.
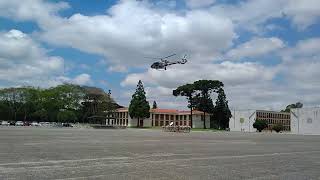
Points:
(68, 153)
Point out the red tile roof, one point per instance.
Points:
(166, 111)
(122, 109)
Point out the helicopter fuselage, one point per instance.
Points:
(163, 63)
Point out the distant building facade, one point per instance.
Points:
(161, 117)
(243, 120)
(273, 118)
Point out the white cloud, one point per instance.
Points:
(303, 13)
(81, 79)
(247, 85)
(132, 30)
(255, 48)
(199, 3)
(252, 14)
(43, 12)
(305, 48)
(117, 68)
(24, 62)
(228, 72)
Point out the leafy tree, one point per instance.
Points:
(69, 96)
(260, 124)
(66, 116)
(221, 111)
(139, 107)
(97, 103)
(5, 112)
(205, 88)
(187, 90)
(14, 99)
(292, 106)
(26, 103)
(277, 127)
(40, 115)
(154, 106)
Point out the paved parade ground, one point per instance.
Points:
(48, 153)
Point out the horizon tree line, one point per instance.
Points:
(63, 103)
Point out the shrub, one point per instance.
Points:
(277, 127)
(260, 124)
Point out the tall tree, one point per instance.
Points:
(154, 106)
(292, 106)
(139, 107)
(205, 88)
(188, 91)
(221, 112)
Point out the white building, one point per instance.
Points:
(161, 117)
(305, 121)
(242, 120)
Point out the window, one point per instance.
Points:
(161, 116)
(161, 123)
(167, 116)
(157, 116)
(171, 117)
(185, 117)
(156, 123)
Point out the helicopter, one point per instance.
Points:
(163, 63)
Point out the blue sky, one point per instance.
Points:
(265, 52)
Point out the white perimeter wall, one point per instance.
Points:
(249, 118)
(133, 122)
(305, 121)
(198, 123)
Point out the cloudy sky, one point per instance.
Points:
(266, 52)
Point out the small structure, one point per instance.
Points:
(305, 121)
(242, 120)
